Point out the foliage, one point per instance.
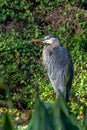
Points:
(17, 65)
(80, 78)
(15, 9)
(7, 122)
(47, 116)
(55, 117)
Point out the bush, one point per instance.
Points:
(18, 65)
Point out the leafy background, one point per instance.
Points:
(21, 70)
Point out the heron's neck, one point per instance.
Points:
(56, 42)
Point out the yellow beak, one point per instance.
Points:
(37, 40)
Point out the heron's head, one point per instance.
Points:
(49, 39)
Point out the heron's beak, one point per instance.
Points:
(37, 40)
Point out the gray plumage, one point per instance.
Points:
(59, 65)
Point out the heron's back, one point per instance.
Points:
(59, 66)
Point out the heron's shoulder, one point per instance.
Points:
(60, 49)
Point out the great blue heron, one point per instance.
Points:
(58, 63)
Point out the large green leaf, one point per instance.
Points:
(41, 119)
(63, 119)
(53, 116)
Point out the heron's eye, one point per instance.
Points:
(47, 38)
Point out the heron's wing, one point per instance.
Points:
(59, 65)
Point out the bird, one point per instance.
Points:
(58, 63)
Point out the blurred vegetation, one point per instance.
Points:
(47, 116)
(56, 116)
(21, 61)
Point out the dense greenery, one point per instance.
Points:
(20, 60)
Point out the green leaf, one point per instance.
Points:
(7, 122)
(85, 119)
(40, 119)
(63, 119)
